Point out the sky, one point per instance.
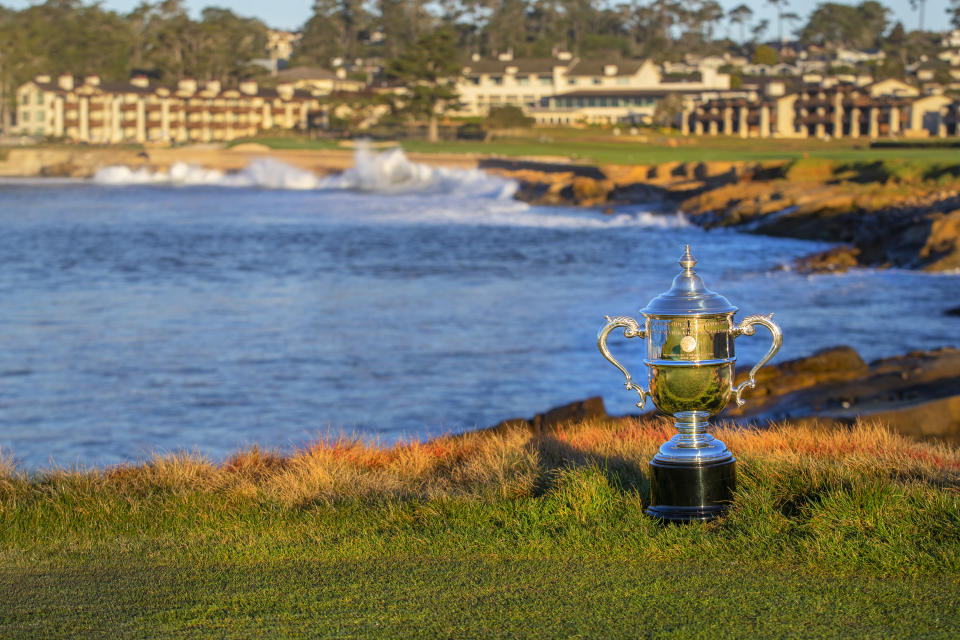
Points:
(290, 14)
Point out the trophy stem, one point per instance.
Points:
(692, 429)
(693, 444)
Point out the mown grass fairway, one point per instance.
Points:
(597, 146)
(834, 534)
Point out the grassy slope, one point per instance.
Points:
(600, 147)
(833, 534)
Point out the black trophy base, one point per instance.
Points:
(685, 492)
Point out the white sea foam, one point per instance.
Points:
(470, 196)
(264, 173)
(392, 172)
(467, 210)
(386, 172)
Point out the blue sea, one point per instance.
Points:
(145, 313)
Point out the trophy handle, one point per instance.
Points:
(631, 329)
(745, 328)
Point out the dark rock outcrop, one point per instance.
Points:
(591, 408)
(883, 222)
(835, 260)
(917, 394)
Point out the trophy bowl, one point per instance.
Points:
(690, 334)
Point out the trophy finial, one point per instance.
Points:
(687, 260)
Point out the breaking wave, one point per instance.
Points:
(470, 196)
(385, 172)
(392, 172)
(264, 173)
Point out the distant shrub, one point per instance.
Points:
(507, 118)
(764, 54)
(471, 131)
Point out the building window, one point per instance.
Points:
(39, 115)
(546, 81)
(597, 79)
(496, 80)
(39, 98)
(523, 81)
(623, 80)
(601, 102)
(591, 102)
(25, 99)
(571, 81)
(474, 80)
(25, 116)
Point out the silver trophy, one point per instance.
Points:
(690, 333)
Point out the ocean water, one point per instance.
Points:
(198, 311)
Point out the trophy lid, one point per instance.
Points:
(688, 296)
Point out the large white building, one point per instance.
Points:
(567, 90)
(89, 110)
(830, 109)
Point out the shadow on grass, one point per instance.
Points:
(624, 474)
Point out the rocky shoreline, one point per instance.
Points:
(879, 218)
(916, 394)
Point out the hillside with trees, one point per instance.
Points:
(163, 41)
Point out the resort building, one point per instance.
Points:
(844, 110)
(102, 112)
(319, 81)
(280, 44)
(742, 117)
(567, 90)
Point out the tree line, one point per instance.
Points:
(161, 39)
(658, 29)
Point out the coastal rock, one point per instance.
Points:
(941, 251)
(625, 175)
(835, 260)
(590, 192)
(66, 169)
(713, 170)
(589, 409)
(828, 366)
(917, 394)
(911, 226)
(913, 238)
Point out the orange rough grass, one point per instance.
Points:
(502, 463)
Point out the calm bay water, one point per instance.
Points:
(150, 317)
